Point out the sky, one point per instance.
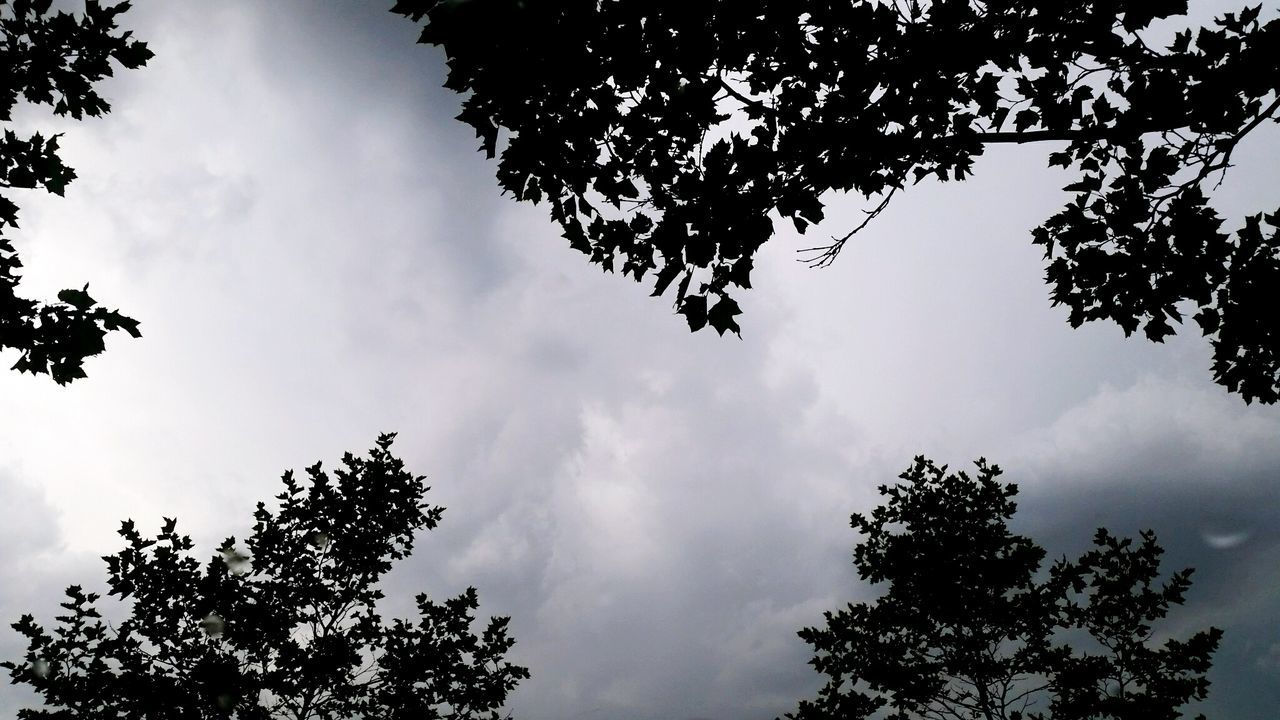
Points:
(318, 253)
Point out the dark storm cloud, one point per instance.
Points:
(1203, 472)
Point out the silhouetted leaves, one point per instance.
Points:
(53, 58)
(968, 626)
(284, 624)
(667, 135)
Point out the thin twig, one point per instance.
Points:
(826, 254)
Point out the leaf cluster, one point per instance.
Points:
(968, 627)
(670, 136)
(53, 59)
(284, 626)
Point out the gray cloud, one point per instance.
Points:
(34, 562)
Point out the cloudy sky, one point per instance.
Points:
(318, 254)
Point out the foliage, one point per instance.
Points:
(288, 629)
(668, 136)
(53, 59)
(969, 628)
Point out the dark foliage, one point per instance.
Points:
(666, 135)
(284, 627)
(969, 628)
(54, 59)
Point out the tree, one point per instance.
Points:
(670, 136)
(53, 59)
(968, 628)
(284, 627)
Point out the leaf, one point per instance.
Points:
(721, 316)
(1087, 184)
(78, 299)
(740, 272)
(998, 118)
(1181, 42)
(668, 273)
(694, 309)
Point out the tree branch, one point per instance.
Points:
(824, 255)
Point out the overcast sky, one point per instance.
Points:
(318, 254)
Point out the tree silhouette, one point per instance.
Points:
(968, 629)
(667, 136)
(284, 627)
(54, 59)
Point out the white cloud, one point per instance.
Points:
(1158, 428)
